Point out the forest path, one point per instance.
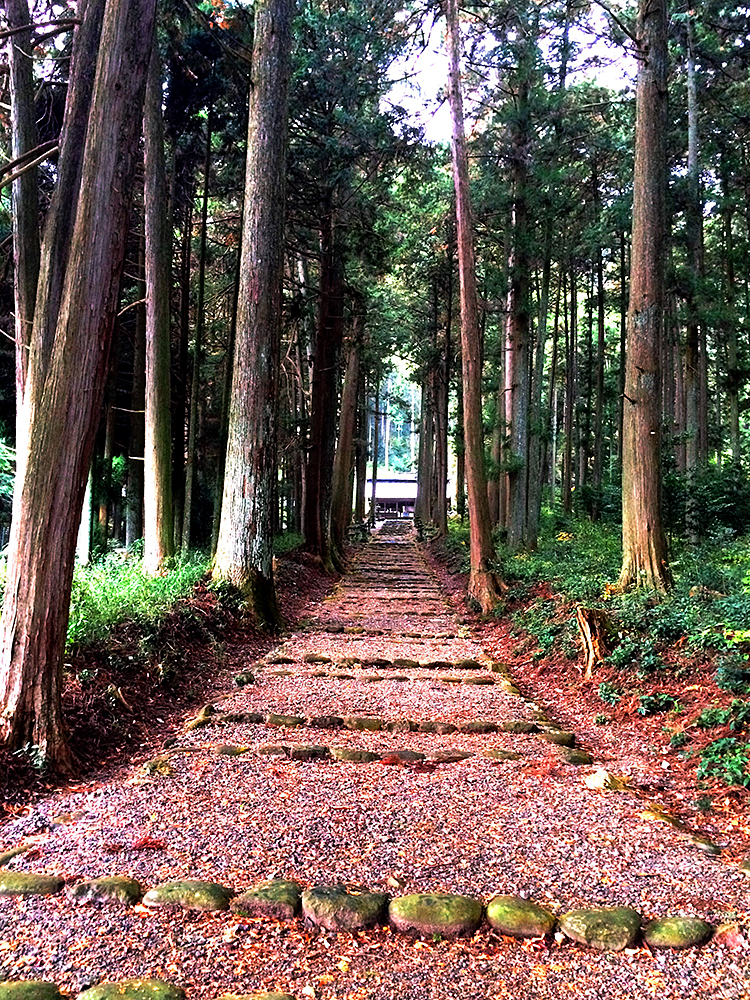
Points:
(377, 747)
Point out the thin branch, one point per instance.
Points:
(43, 147)
(131, 305)
(618, 21)
(67, 23)
(29, 166)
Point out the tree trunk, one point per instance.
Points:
(244, 554)
(483, 585)
(64, 390)
(643, 539)
(24, 191)
(134, 510)
(517, 331)
(190, 456)
(324, 393)
(342, 490)
(158, 524)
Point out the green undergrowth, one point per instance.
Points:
(115, 591)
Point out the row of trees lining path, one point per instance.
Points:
(379, 765)
(248, 359)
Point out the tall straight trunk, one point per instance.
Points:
(538, 418)
(134, 509)
(24, 191)
(644, 543)
(596, 473)
(244, 554)
(517, 330)
(423, 507)
(360, 454)
(324, 401)
(342, 490)
(571, 336)
(157, 493)
(623, 344)
(65, 385)
(190, 455)
(375, 448)
(729, 320)
(226, 403)
(180, 372)
(483, 585)
(694, 239)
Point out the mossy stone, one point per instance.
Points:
(435, 913)
(230, 750)
(115, 889)
(507, 685)
(449, 679)
(477, 680)
(376, 661)
(705, 844)
(363, 723)
(315, 658)
(277, 898)
(404, 663)
(134, 989)
(559, 737)
(325, 722)
(436, 665)
(309, 752)
(744, 866)
(348, 755)
(278, 658)
(407, 756)
(608, 929)
(13, 852)
(479, 726)
(189, 894)
(578, 758)
(439, 728)
(29, 884)
(469, 665)
(518, 726)
(402, 726)
(338, 909)
(496, 753)
(272, 750)
(450, 756)
(677, 932)
(30, 989)
(519, 917)
(243, 678)
(285, 721)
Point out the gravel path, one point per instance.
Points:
(528, 824)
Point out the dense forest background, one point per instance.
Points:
(367, 361)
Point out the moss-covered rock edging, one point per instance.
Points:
(341, 908)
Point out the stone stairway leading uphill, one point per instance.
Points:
(374, 812)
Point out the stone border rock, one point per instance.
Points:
(339, 907)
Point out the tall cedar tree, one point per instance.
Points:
(644, 543)
(67, 373)
(483, 586)
(244, 554)
(157, 482)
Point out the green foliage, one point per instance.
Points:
(287, 542)
(609, 694)
(650, 704)
(726, 759)
(623, 655)
(712, 717)
(116, 590)
(538, 620)
(679, 739)
(733, 673)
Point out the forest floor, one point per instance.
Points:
(448, 775)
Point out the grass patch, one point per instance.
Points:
(114, 591)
